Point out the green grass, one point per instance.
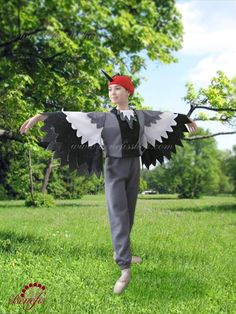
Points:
(188, 249)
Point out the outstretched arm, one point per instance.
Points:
(31, 122)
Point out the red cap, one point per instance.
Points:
(124, 81)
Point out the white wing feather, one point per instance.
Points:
(159, 129)
(84, 127)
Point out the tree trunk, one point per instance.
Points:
(47, 175)
(31, 175)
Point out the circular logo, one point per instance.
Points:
(32, 289)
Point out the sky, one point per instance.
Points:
(209, 45)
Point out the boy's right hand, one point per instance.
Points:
(30, 123)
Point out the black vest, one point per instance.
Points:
(129, 136)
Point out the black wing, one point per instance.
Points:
(162, 132)
(63, 137)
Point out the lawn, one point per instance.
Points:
(188, 249)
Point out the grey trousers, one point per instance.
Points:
(121, 187)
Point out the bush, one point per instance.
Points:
(39, 200)
(3, 193)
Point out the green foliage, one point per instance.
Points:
(14, 175)
(230, 167)
(197, 168)
(51, 53)
(39, 200)
(64, 184)
(142, 185)
(15, 180)
(158, 179)
(3, 193)
(219, 95)
(226, 184)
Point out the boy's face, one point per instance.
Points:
(118, 94)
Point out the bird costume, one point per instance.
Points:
(83, 140)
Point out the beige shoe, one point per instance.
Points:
(134, 260)
(123, 281)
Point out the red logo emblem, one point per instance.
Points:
(32, 294)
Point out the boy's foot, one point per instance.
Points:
(123, 281)
(134, 260)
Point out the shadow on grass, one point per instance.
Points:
(57, 205)
(10, 205)
(163, 286)
(168, 274)
(10, 242)
(92, 205)
(159, 198)
(214, 208)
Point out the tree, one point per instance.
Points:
(158, 179)
(142, 185)
(225, 183)
(51, 53)
(196, 170)
(231, 167)
(218, 98)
